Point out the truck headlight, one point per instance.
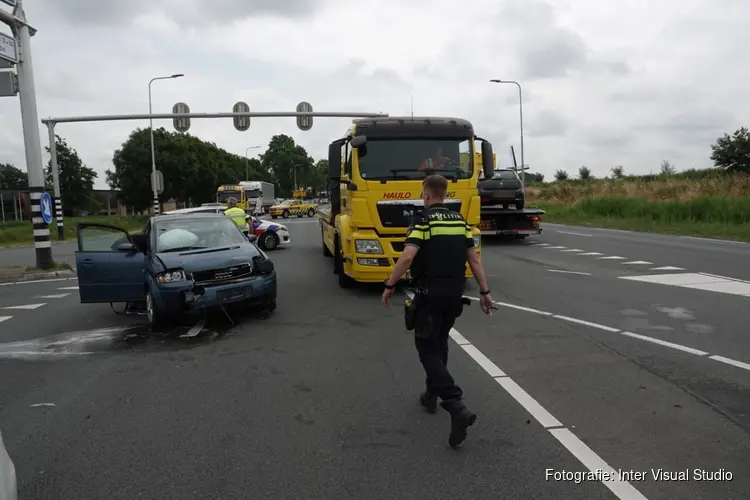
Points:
(368, 246)
(171, 276)
(477, 241)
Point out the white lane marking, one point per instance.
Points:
(529, 403)
(57, 296)
(540, 244)
(556, 248)
(696, 281)
(664, 343)
(667, 268)
(591, 253)
(574, 234)
(568, 272)
(573, 250)
(69, 288)
(725, 277)
(738, 364)
(638, 262)
(26, 307)
(613, 257)
(195, 330)
(36, 281)
(586, 323)
(37, 405)
(622, 489)
(458, 338)
(5, 318)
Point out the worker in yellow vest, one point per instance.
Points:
(236, 214)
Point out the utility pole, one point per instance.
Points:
(151, 128)
(22, 33)
(520, 108)
(247, 164)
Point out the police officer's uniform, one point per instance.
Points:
(439, 268)
(238, 216)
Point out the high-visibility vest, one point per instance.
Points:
(237, 215)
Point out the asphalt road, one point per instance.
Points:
(581, 368)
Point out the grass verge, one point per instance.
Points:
(19, 233)
(725, 217)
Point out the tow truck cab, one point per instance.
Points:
(376, 174)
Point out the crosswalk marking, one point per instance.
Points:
(25, 307)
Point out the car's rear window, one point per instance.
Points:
(200, 232)
(508, 175)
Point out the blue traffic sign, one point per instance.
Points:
(45, 203)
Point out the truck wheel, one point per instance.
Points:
(285, 214)
(522, 236)
(344, 280)
(311, 213)
(519, 205)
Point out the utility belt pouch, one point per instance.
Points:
(410, 312)
(465, 302)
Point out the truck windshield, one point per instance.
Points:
(223, 196)
(252, 193)
(406, 159)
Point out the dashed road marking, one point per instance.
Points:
(56, 296)
(588, 457)
(69, 288)
(573, 250)
(639, 262)
(574, 234)
(664, 343)
(568, 272)
(26, 307)
(5, 318)
(591, 253)
(556, 248)
(667, 268)
(696, 281)
(612, 257)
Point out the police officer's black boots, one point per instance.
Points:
(461, 419)
(429, 401)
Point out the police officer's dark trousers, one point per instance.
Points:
(435, 316)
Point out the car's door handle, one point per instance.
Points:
(88, 262)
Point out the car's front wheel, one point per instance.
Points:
(271, 305)
(156, 317)
(268, 241)
(285, 214)
(311, 213)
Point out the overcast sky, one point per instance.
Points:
(646, 81)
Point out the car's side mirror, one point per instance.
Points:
(252, 238)
(126, 246)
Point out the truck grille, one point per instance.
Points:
(400, 214)
(223, 274)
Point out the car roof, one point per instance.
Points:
(190, 215)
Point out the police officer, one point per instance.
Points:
(236, 214)
(438, 245)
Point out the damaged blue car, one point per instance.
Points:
(177, 264)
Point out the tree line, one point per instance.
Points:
(194, 168)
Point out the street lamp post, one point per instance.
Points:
(151, 128)
(247, 164)
(520, 108)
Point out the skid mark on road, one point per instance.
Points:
(580, 450)
(664, 343)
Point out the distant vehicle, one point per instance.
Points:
(247, 194)
(178, 263)
(293, 207)
(8, 482)
(504, 188)
(269, 234)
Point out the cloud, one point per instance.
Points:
(634, 84)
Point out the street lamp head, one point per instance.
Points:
(496, 81)
(177, 75)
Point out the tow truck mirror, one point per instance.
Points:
(358, 141)
(334, 160)
(488, 160)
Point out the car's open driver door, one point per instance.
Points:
(109, 266)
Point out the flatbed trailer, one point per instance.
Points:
(498, 221)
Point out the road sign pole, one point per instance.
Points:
(56, 180)
(30, 122)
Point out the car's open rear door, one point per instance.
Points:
(109, 268)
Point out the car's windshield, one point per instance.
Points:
(223, 196)
(507, 175)
(413, 159)
(193, 233)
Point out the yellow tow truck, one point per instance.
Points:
(377, 171)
